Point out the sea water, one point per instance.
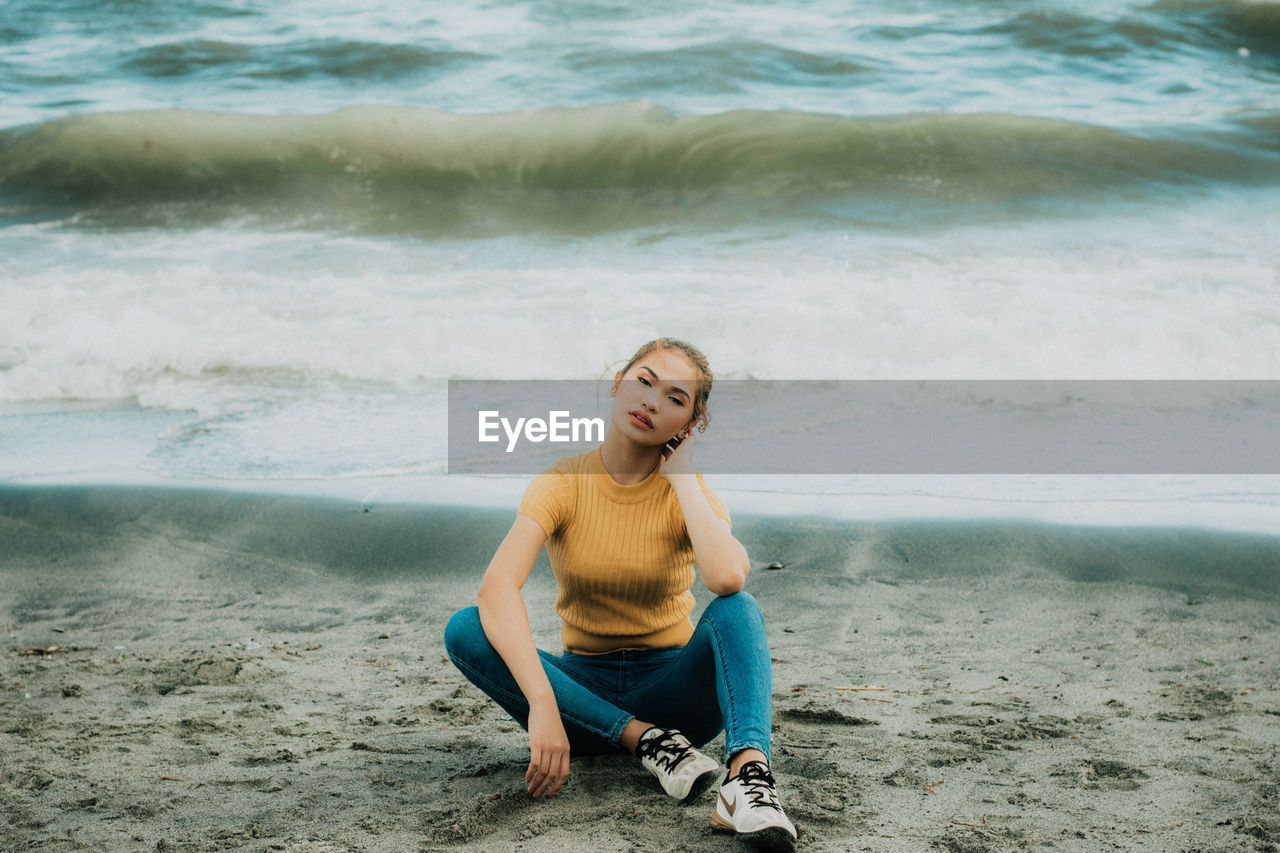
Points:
(246, 244)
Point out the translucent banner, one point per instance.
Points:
(897, 426)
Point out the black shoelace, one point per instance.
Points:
(758, 783)
(664, 749)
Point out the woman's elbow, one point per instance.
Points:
(727, 582)
(726, 588)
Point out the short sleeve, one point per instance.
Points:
(546, 500)
(717, 505)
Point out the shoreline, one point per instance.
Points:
(266, 671)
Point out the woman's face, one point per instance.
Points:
(654, 400)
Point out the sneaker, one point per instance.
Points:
(748, 805)
(683, 771)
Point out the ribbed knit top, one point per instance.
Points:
(621, 555)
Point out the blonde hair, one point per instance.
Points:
(699, 361)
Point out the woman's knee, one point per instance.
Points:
(739, 604)
(462, 633)
(736, 615)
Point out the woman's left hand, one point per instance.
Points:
(678, 461)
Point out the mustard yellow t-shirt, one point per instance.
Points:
(621, 555)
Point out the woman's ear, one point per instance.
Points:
(617, 380)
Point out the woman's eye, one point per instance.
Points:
(642, 379)
(676, 400)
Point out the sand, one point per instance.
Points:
(266, 673)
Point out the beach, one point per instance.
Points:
(208, 670)
(247, 249)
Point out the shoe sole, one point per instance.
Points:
(774, 839)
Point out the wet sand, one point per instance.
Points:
(221, 670)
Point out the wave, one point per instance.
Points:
(1254, 24)
(726, 65)
(294, 61)
(1164, 27)
(411, 169)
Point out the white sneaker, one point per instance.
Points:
(748, 805)
(683, 771)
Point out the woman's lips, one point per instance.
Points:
(642, 419)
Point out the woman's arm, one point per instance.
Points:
(722, 559)
(506, 624)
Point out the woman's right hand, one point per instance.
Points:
(548, 751)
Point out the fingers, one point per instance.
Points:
(547, 779)
(536, 777)
(548, 771)
(679, 459)
(562, 774)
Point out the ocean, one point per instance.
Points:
(246, 245)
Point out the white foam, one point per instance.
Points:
(238, 312)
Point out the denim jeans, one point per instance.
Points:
(721, 680)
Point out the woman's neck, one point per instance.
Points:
(628, 463)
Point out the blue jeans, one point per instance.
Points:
(721, 680)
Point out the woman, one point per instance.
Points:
(623, 525)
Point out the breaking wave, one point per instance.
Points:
(415, 170)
